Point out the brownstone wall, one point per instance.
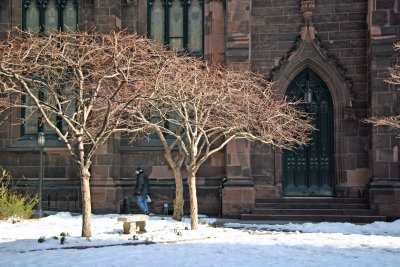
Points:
(16, 11)
(254, 34)
(106, 16)
(5, 18)
(384, 21)
(113, 165)
(61, 176)
(86, 14)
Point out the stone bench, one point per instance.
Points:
(134, 223)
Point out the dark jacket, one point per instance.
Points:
(142, 184)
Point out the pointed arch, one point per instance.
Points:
(310, 55)
(336, 84)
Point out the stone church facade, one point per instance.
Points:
(333, 54)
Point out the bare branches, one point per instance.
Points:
(393, 121)
(86, 79)
(88, 82)
(211, 104)
(100, 84)
(394, 78)
(205, 106)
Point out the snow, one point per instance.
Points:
(170, 243)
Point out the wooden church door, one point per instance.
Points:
(308, 171)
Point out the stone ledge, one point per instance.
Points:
(134, 218)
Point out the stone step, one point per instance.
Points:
(364, 212)
(315, 209)
(313, 200)
(312, 218)
(309, 206)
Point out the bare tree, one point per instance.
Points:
(91, 81)
(204, 107)
(85, 80)
(394, 78)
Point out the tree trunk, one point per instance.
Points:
(86, 203)
(178, 202)
(194, 220)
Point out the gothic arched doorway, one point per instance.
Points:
(308, 171)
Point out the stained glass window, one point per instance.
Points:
(157, 21)
(32, 18)
(51, 16)
(178, 24)
(70, 16)
(195, 21)
(44, 15)
(30, 125)
(32, 122)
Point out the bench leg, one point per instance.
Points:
(141, 225)
(136, 227)
(129, 227)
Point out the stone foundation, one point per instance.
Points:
(237, 200)
(385, 200)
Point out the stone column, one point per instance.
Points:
(384, 192)
(214, 31)
(238, 37)
(239, 193)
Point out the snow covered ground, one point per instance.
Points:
(169, 243)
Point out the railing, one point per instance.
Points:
(56, 198)
(62, 199)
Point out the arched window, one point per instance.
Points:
(179, 24)
(43, 15)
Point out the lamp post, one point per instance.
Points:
(41, 142)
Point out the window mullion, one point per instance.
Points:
(149, 7)
(25, 6)
(202, 27)
(76, 4)
(185, 4)
(42, 4)
(167, 5)
(23, 115)
(60, 8)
